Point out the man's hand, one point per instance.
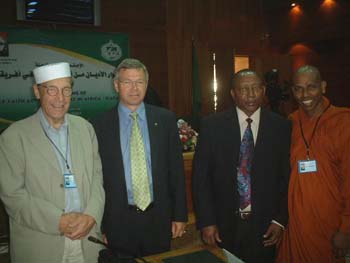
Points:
(210, 235)
(65, 220)
(341, 244)
(177, 229)
(80, 226)
(104, 239)
(273, 235)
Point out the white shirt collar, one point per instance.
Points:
(242, 117)
(47, 126)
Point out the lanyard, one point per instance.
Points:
(307, 145)
(58, 150)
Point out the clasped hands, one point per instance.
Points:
(76, 225)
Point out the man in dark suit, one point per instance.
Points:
(143, 210)
(245, 217)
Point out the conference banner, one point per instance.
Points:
(92, 57)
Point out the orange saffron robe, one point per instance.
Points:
(319, 202)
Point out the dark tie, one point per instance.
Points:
(245, 166)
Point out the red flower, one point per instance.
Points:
(188, 136)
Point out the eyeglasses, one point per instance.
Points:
(130, 83)
(53, 91)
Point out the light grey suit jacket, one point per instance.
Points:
(31, 187)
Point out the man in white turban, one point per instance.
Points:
(51, 177)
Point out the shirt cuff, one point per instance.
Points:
(275, 222)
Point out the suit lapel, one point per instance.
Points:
(42, 144)
(113, 139)
(154, 133)
(261, 145)
(75, 151)
(262, 132)
(233, 140)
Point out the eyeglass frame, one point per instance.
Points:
(133, 83)
(56, 90)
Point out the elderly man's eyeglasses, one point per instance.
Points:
(129, 83)
(53, 91)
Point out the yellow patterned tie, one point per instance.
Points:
(139, 178)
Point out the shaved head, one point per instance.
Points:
(308, 69)
(308, 89)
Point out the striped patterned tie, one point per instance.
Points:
(139, 178)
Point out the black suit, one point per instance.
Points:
(148, 232)
(215, 194)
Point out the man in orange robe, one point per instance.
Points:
(319, 188)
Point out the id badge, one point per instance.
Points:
(307, 166)
(69, 181)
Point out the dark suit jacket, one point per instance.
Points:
(215, 194)
(167, 173)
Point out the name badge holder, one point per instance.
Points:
(68, 178)
(69, 181)
(309, 165)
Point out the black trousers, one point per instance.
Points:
(140, 233)
(248, 244)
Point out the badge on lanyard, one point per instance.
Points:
(69, 181)
(307, 166)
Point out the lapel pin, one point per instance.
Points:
(156, 124)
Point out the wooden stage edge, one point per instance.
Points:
(158, 258)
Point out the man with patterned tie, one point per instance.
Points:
(241, 174)
(143, 168)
